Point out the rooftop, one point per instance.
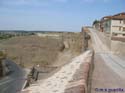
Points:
(119, 16)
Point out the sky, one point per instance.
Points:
(55, 15)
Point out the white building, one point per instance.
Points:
(114, 25)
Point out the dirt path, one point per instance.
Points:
(63, 58)
(57, 83)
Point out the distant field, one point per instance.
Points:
(32, 50)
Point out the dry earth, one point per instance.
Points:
(32, 50)
(28, 51)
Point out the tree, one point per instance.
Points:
(95, 22)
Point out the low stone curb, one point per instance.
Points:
(80, 81)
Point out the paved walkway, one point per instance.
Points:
(109, 69)
(105, 78)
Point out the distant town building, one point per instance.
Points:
(114, 25)
(47, 34)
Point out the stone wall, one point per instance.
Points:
(86, 38)
(81, 79)
(1, 70)
(73, 41)
(118, 47)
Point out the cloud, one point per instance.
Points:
(63, 1)
(89, 1)
(93, 1)
(106, 1)
(19, 3)
(38, 3)
(29, 3)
